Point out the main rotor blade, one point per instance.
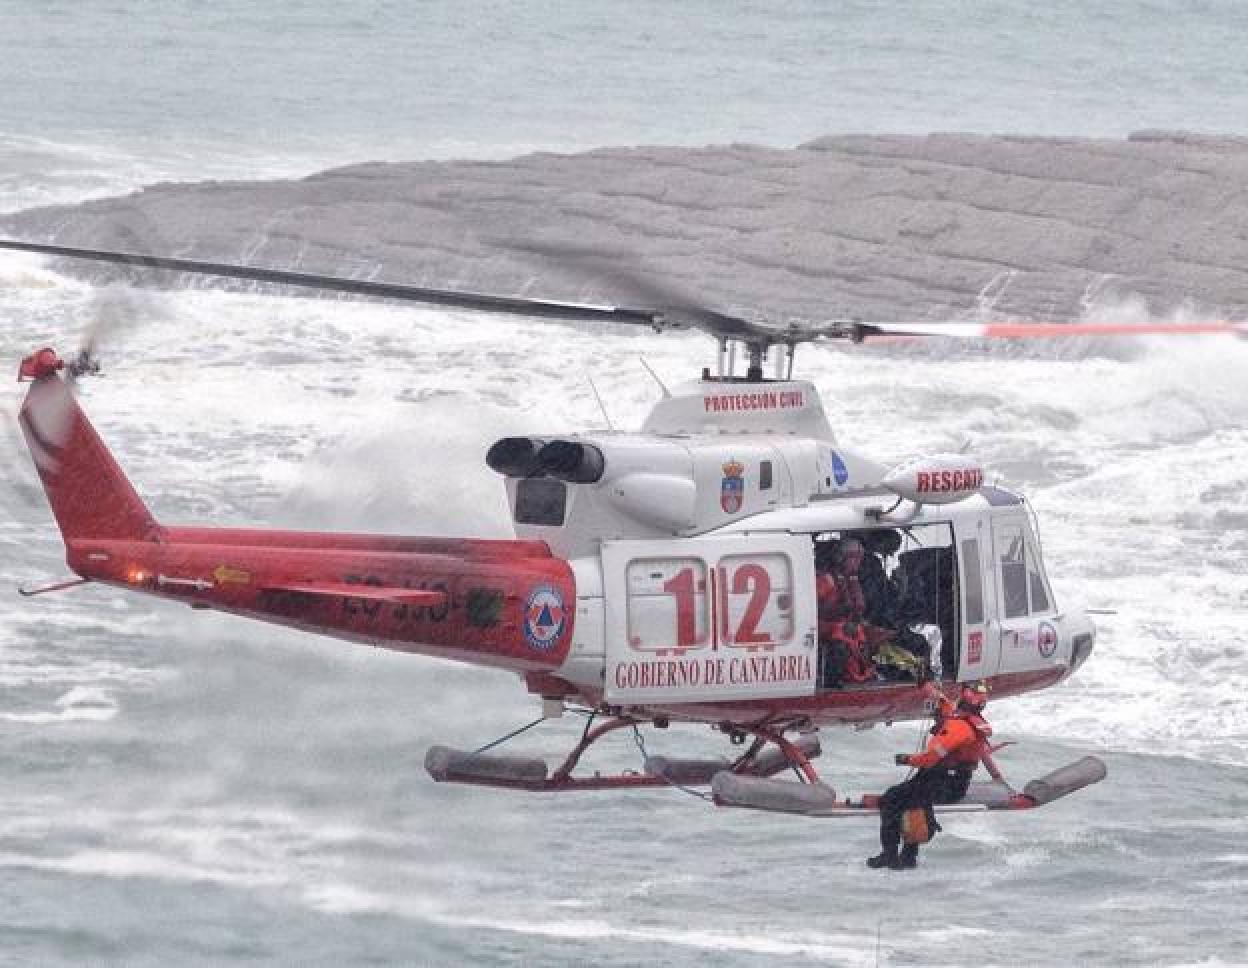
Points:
(514, 305)
(677, 303)
(1042, 330)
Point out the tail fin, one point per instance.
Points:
(90, 496)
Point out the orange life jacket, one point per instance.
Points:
(853, 638)
(839, 596)
(959, 741)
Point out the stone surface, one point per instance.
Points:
(883, 227)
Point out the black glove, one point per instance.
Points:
(902, 759)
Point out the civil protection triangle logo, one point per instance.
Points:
(732, 488)
(544, 617)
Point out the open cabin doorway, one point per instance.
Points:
(888, 605)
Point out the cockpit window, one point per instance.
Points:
(1013, 549)
(1039, 594)
(541, 501)
(974, 582)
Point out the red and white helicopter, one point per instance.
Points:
(671, 574)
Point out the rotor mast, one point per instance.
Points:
(756, 354)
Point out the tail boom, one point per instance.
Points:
(509, 604)
(481, 605)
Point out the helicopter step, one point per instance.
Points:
(817, 800)
(767, 763)
(447, 765)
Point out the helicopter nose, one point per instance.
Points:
(1083, 637)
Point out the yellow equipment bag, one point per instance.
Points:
(894, 655)
(915, 826)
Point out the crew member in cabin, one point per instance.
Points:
(898, 652)
(879, 592)
(837, 585)
(942, 775)
(843, 646)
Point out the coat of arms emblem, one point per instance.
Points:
(732, 489)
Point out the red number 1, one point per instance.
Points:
(683, 588)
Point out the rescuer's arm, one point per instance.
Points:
(944, 705)
(952, 735)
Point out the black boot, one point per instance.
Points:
(884, 860)
(908, 859)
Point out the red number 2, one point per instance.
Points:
(754, 579)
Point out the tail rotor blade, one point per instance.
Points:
(117, 306)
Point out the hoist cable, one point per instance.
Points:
(641, 747)
(514, 733)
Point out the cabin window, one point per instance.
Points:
(541, 501)
(667, 606)
(974, 582)
(764, 476)
(1013, 551)
(757, 592)
(1039, 593)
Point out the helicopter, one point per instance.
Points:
(698, 570)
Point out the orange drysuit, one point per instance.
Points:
(957, 741)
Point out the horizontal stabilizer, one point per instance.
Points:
(369, 593)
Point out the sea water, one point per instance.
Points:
(193, 789)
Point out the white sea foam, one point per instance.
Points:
(80, 704)
(845, 948)
(247, 409)
(359, 396)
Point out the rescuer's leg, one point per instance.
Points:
(893, 804)
(931, 787)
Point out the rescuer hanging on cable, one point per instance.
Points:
(942, 775)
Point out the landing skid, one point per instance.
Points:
(748, 781)
(816, 800)
(447, 765)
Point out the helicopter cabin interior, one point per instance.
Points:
(888, 605)
(959, 599)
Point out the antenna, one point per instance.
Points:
(605, 416)
(666, 392)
